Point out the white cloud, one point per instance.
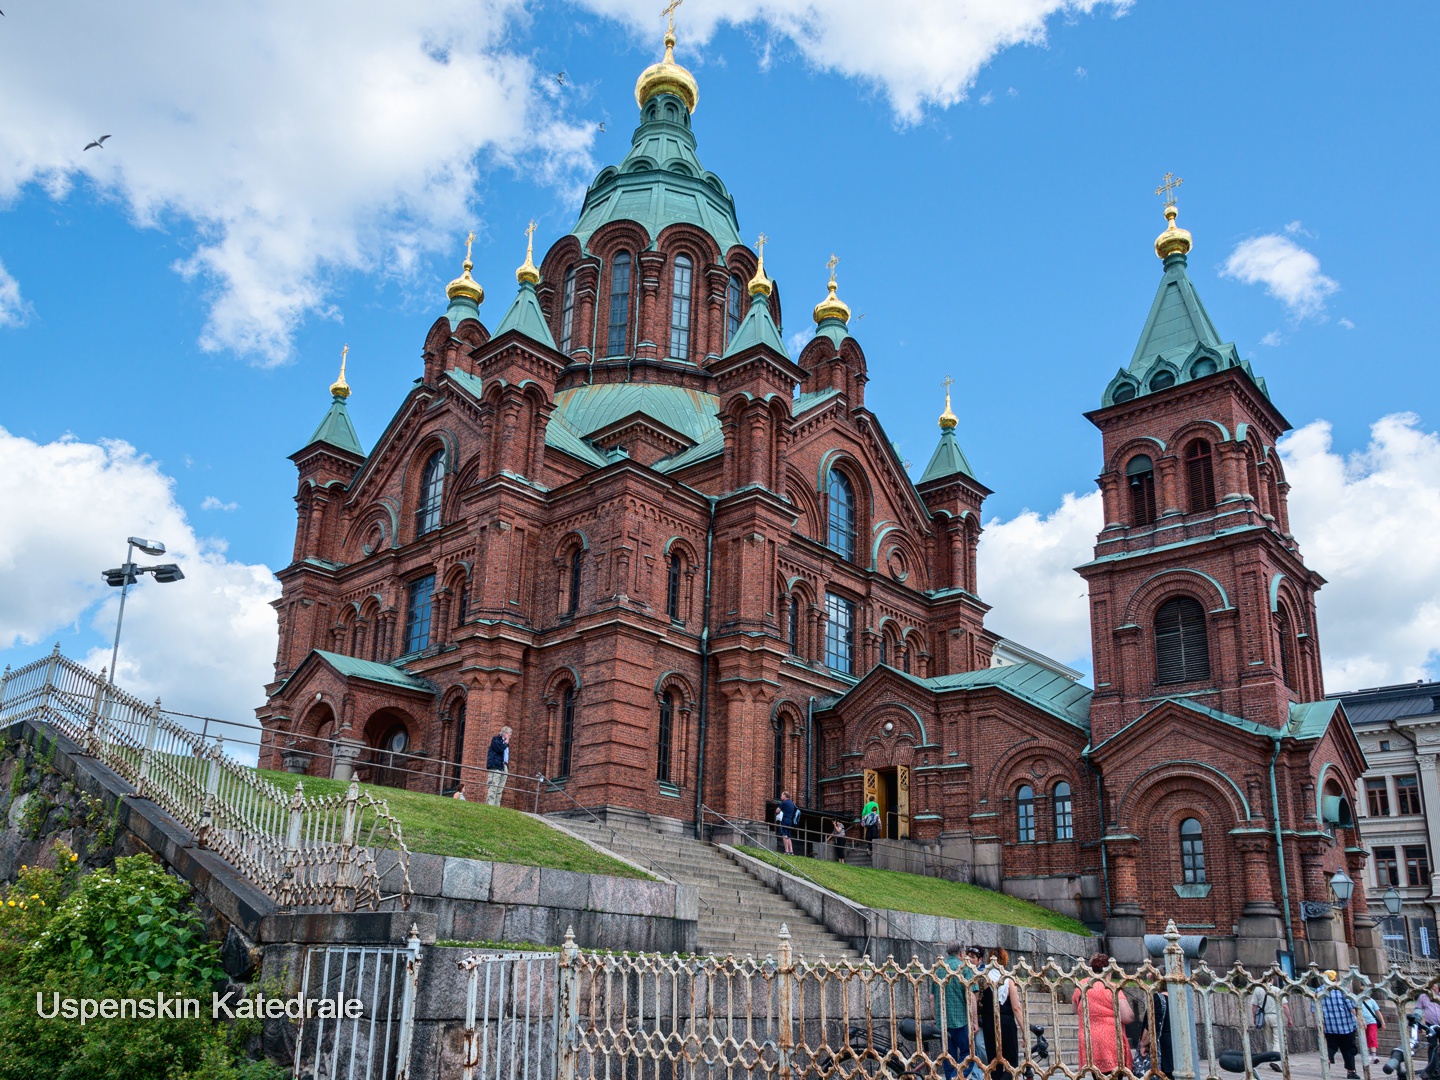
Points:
(205, 645)
(298, 139)
(920, 53)
(1081, 73)
(212, 503)
(1012, 92)
(1026, 568)
(1368, 521)
(13, 309)
(1347, 324)
(798, 340)
(987, 97)
(1272, 339)
(1296, 228)
(1289, 272)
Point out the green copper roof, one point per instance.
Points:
(757, 328)
(834, 329)
(1179, 342)
(1062, 698)
(525, 316)
(1310, 719)
(661, 181)
(336, 430)
(352, 667)
(948, 459)
(460, 309)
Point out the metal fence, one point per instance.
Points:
(357, 1012)
(301, 850)
(654, 1017)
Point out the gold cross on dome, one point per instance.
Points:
(468, 241)
(832, 262)
(947, 382)
(1167, 187)
(530, 238)
(760, 246)
(669, 13)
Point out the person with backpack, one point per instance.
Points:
(1374, 1024)
(786, 814)
(1268, 1010)
(870, 818)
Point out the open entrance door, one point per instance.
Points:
(890, 790)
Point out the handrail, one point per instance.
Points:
(962, 867)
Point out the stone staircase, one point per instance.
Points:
(739, 915)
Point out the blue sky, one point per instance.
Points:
(1003, 237)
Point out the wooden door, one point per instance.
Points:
(902, 802)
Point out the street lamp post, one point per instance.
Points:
(1342, 887)
(128, 574)
(1393, 900)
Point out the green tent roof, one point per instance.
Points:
(352, 667)
(948, 459)
(1063, 698)
(336, 430)
(1178, 343)
(525, 316)
(757, 328)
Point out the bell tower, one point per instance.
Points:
(1197, 588)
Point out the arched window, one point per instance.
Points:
(1162, 380)
(417, 613)
(905, 658)
(734, 298)
(577, 564)
(567, 311)
(459, 740)
(1124, 392)
(777, 777)
(663, 738)
(839, 634)
(619, 334)
(1025, 814)
(884, 649)
(1192, 852)
(567, 733)
(794, 625)
(393, 758)
(1182, 647)
(462, 602)
(432, 492)
(1287, 645)
(842, 515)
(680, 309)
(1064, 813)
(672, 587)
(1200, 471)
(1204, 366)
(1140, 475)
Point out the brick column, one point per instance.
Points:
(1125, 927)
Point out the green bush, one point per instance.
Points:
(126, 933)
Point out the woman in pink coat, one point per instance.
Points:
(1103, 1046)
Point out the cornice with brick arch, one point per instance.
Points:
(382, 462)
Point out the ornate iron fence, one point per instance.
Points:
(654, 1017)
(336, 850)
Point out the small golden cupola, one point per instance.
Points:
(340, 389)
(668, 77)
(1174, 240)
(948, 419)
(832, 307)
(528, 271)
(760, 284)
(466, 287)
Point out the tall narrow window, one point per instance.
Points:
(459, 741)
(619, 334)
(462, 603)
(680, 309)
(1387, 869)
(672, 587)
(1140, 476)
(1377, 797)
(1025, 814)
(1417, 865)
(567, 312)
(1407, 795)
(905, 658)
(577, 564)
(1287, 646)
(794, 625)
(777, 776)
(1200, 471)
(1064, 813)
(1182, 651)
(884, 649)
(567, 733)
(417, 615)
(432, 493)
(842, 515)
(839, 634)
(663, 737)
(734, 298)
(1192, 852)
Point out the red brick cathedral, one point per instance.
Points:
(690, 570)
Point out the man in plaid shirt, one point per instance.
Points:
(1337, 1013)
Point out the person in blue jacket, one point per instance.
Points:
(786, 817)
(497, 761)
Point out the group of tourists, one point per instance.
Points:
(787, 817)
(976, 985)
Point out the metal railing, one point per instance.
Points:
(788, 1017)
(338, 850)
(933, 863)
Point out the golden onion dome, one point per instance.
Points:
(832, 307)
(1173, 241)
(948, 420)
(760, 284)
(527, 271)
(667, 77)
(466, 286)
(340, 389)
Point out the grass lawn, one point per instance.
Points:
(926, 895)
(470, 830)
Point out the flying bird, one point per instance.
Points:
(602, 129)
(100, 142)
(560, 77)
